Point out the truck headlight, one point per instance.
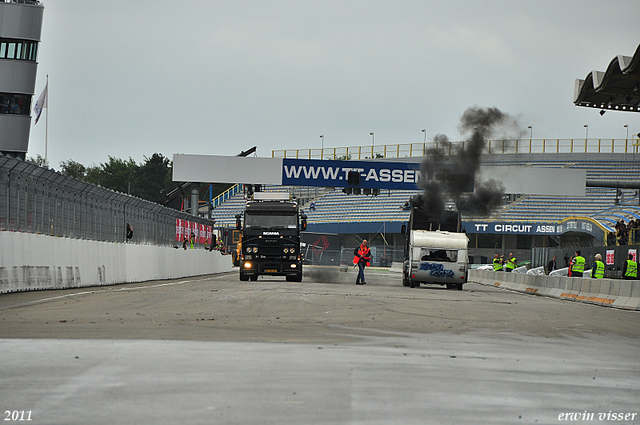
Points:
(247, 265)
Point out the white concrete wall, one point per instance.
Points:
(32, 262)
(623, 294)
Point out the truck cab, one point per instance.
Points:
(271, 237)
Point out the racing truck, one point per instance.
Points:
(435, 252)
(271, 229)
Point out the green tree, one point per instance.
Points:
(119, 175)
(150, 180)
(94, 175)
(39, 161)
(153, 178)
(73, 169)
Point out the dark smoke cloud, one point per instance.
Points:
(449, 170)
(325, 274)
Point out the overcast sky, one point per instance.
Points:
(131, 78)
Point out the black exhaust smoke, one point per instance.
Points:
(448, 171)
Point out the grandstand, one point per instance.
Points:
(352, 215)
(605, 205)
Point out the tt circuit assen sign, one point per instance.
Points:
(533, 228)
(512, 228)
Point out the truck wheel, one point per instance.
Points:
(244, 277)
(405, 281)
(414, 284)
(459, 286)
(254, 278)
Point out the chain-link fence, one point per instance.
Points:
(38, 200)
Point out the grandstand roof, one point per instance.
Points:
(617, 88)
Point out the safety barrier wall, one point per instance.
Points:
(623, 294)
(36, 262)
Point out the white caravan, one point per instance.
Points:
(436, 257)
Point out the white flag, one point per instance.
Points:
(41, 103)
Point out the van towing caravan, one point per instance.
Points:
(435, 252)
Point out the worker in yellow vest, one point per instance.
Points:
(497, 263)
(630, 269)
(577, 265)
(597, 271)
(511, 263)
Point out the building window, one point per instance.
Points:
(18, 49)
(18, 104)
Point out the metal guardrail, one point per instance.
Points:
(492, 147)
(224, 196)
(38, 200)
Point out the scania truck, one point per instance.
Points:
(435, 251)
(271, 237)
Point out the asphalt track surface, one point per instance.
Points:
(214, 350)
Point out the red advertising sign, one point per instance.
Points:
(610, 256)
(178, 229)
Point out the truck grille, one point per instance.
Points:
(270, 250)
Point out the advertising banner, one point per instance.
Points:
(186, 227)
(572, 225)
(178, 229)
(523, 228)
(372, 174)
(610, 256)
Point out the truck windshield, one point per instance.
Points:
(270, 221)
(447, 255)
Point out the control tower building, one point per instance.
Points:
(20, 28)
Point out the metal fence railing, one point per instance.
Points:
(405, 150)
(38, 200)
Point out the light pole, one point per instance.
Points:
(424, 130)
(373, 139)
(586, 132)
(530, 132)
(322, 141)
(627, 127)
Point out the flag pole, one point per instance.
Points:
(46, 125)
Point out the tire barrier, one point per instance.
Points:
(622, 294)
(30, 262)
